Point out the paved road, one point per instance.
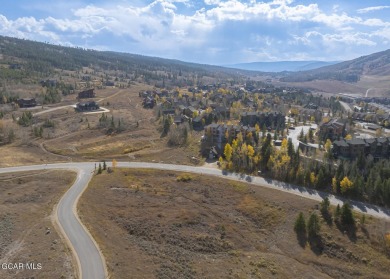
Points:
(90, 261)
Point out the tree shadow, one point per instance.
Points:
(327, 217)
(302, 239)
(316, 244)
(365, 231)
(349, 230)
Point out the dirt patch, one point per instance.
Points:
(27, 235)
(163, 224)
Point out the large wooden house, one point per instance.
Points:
(87, 94)
(27, 102)
(87, 106)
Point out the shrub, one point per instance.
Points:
(184, 178)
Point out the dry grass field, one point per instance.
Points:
(79, 136)
(163, 224)
(27, 234)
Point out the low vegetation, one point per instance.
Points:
(214, 228)
(27, 234)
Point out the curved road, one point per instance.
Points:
(90, 261)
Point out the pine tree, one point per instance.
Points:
(311, 136)
(347, 218)
(99, 169)
(325, 206)
(313, 225)
(104, 165)
(300, 224)
(337, 213)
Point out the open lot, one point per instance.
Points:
(27, 234)
(163, 224)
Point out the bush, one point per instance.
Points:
(184, 178)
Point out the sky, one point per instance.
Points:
(219, 32)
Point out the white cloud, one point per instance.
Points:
(212, 2)
(375, 22)
(357, 38)
(162, 28)
(383, 33)
(371, 9)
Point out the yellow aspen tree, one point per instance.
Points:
(221, 163)
(228, 151)
(345, 184)
(328, 145)
(284, 145)
(251, 150)
(257, 128)
(313, 178)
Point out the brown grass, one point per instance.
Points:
(214, 228)
(26, 230)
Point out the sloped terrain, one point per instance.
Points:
(349, 71)
(163, 224)
(27, 234)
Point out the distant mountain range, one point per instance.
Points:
(376, 64)
(22, 59)
(281, 66)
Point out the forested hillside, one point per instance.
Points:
(349, 71)
(23, 59)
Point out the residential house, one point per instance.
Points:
(179, 119)
(268, 119)
(149, 102)
(197, 123)
(189, 111)
(222, 112)
(27, 102)
(351, 149)
(86, 94)
(109, 83)
(333, 130)
(217, 135)
(87, 106)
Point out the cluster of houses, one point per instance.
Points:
(186, 108)
(81, 106)
(216, 136)
(351, 149)
(371, 117)
(87, 105)
(150, 97)
(203, 106)
(268, 119)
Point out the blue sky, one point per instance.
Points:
(207, 31)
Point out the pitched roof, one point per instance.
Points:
(341, 143)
